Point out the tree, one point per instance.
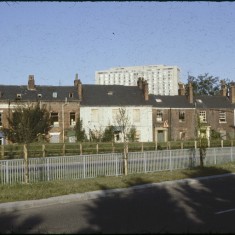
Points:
(123, 123)
(27, 124)
(132, 134)
(202, 140)
(80, 132)
(108, 134)
(205, 84)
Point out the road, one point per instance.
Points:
(205, 206)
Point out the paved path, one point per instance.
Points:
(205, 204)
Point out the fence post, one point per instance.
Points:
(182, 145)
(195, 144)
(116, 165)
(222, 143)
(208, 143)
(231, 143)
(231, 154)
(142, 147)
(84, 167)
(2, 151)
(7, 172)
(155, 145)
(170, 161)
(26, 165)
(214, 157)
(97, 148)
(145, 167)
(43, 150)
(112, 147)
(80, 149)
(48, 169)
(63, 149)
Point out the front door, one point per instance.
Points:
(160, 136)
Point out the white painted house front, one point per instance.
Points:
(96, 118)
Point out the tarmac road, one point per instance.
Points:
(203, 205)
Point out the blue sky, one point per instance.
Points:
(55, 40)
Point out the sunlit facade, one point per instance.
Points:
(162, 79)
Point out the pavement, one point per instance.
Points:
(19, 205)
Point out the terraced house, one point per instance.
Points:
(157, 118)
(62, 102)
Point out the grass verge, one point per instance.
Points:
(21, 192)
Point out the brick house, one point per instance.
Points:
(63, 103)
(176, 117)
(216, 113)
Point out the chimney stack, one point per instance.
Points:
(223, 90)
(181, 90)
(31, 83)
(190, 92)
(140, 83)
(232, 93)
(146, 90)
(79, 87)
(76, 80)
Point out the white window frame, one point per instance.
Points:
(222, 117)
(202, 116)
(159, 116)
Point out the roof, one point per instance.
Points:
(213, 102)
(40, 93)
(167, 101)
(112, 95)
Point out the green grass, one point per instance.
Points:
(20, 192)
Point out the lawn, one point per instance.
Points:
(20, 192)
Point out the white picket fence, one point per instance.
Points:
(91, 166)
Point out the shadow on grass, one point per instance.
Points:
(179, 207)
(205, 171)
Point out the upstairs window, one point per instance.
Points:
(222, 117)
(181, 116)
(95, 115)
(202, 116)
(136, 115)
(72, 119)
(55, 119)
(115, 113)
(159, 116)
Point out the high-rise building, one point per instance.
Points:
(162, 79)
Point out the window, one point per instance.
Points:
(95, 115)
(70, 95)
(202, 116)
(72, 119)
(159, 116)
(222, 116)
(39, 95)
(136, 115)
(115, 113)
(18, 96)
(54, 94)
(55, 119)
(181, 116)
(182, 135)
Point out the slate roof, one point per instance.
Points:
(10, 93)
(170, 101)
(213, 102)
(112, 95)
